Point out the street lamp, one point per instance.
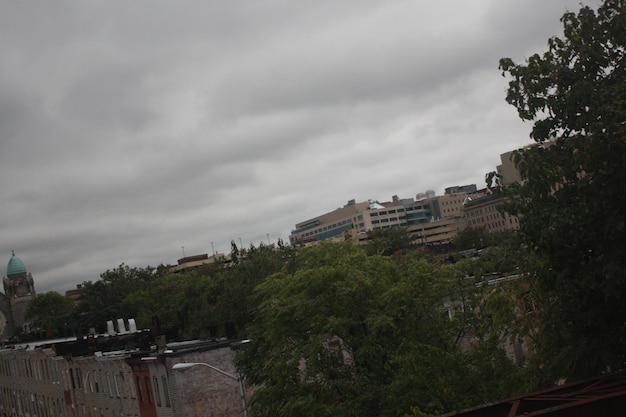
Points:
(184, 366)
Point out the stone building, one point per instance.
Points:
(19, 290)
(121, 374)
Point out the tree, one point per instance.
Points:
(103, 300)
(571, 200)
(211, 301)
(347, 333)
(50, 311)
(472, 238)
(389, 241)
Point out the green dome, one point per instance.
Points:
(15, 266)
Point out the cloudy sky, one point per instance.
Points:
(129, 130)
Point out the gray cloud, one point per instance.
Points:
(129, 130)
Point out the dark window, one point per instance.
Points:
(148, 390)
(139, 391)
(157, 393)
(166, 392)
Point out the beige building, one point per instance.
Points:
(507, 170)
(190, 263)
(32, 382)
(484, 212)
(429, 218)
(356, 219)
(122, 375)
(437, 232)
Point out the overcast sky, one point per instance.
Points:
(129, 130)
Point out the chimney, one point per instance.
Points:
(110, 328)
(121, 327)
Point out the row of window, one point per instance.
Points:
(394, 211)
(479, 211)
(37, 369)
(384, 213)
(456, 202)
(391, 219)
(343, 224)
(161, 391)
(97, 382)
(17, 402)
(148, 391)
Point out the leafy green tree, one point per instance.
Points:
(346, 333)
(571, 200)
(50, 311)
(103, 300)
(395, 240)
(206, 302)
(472, 238)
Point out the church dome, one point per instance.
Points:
(15, 266)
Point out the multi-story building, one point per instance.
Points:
(438, 231)
(189, 263)
(484, 211)
(345, 221)
(429, 218)
(123, 374)
(507, 170)
(356, 219)
(483, 208)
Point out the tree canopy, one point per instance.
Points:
(571, 200)
(347, 333)
(336, 329)
(50, 311)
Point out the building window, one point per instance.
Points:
(109, 385)
(117, 386)
(166, 391)
(139, 391)
(148, 390)
(89, 380)
(157, 393)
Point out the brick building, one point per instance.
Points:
(123, 374)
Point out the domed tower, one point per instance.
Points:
(19, 289)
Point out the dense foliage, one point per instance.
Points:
(571, 201)
(211, 301)
(50, 312)
(338, 329)
(352, 334)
